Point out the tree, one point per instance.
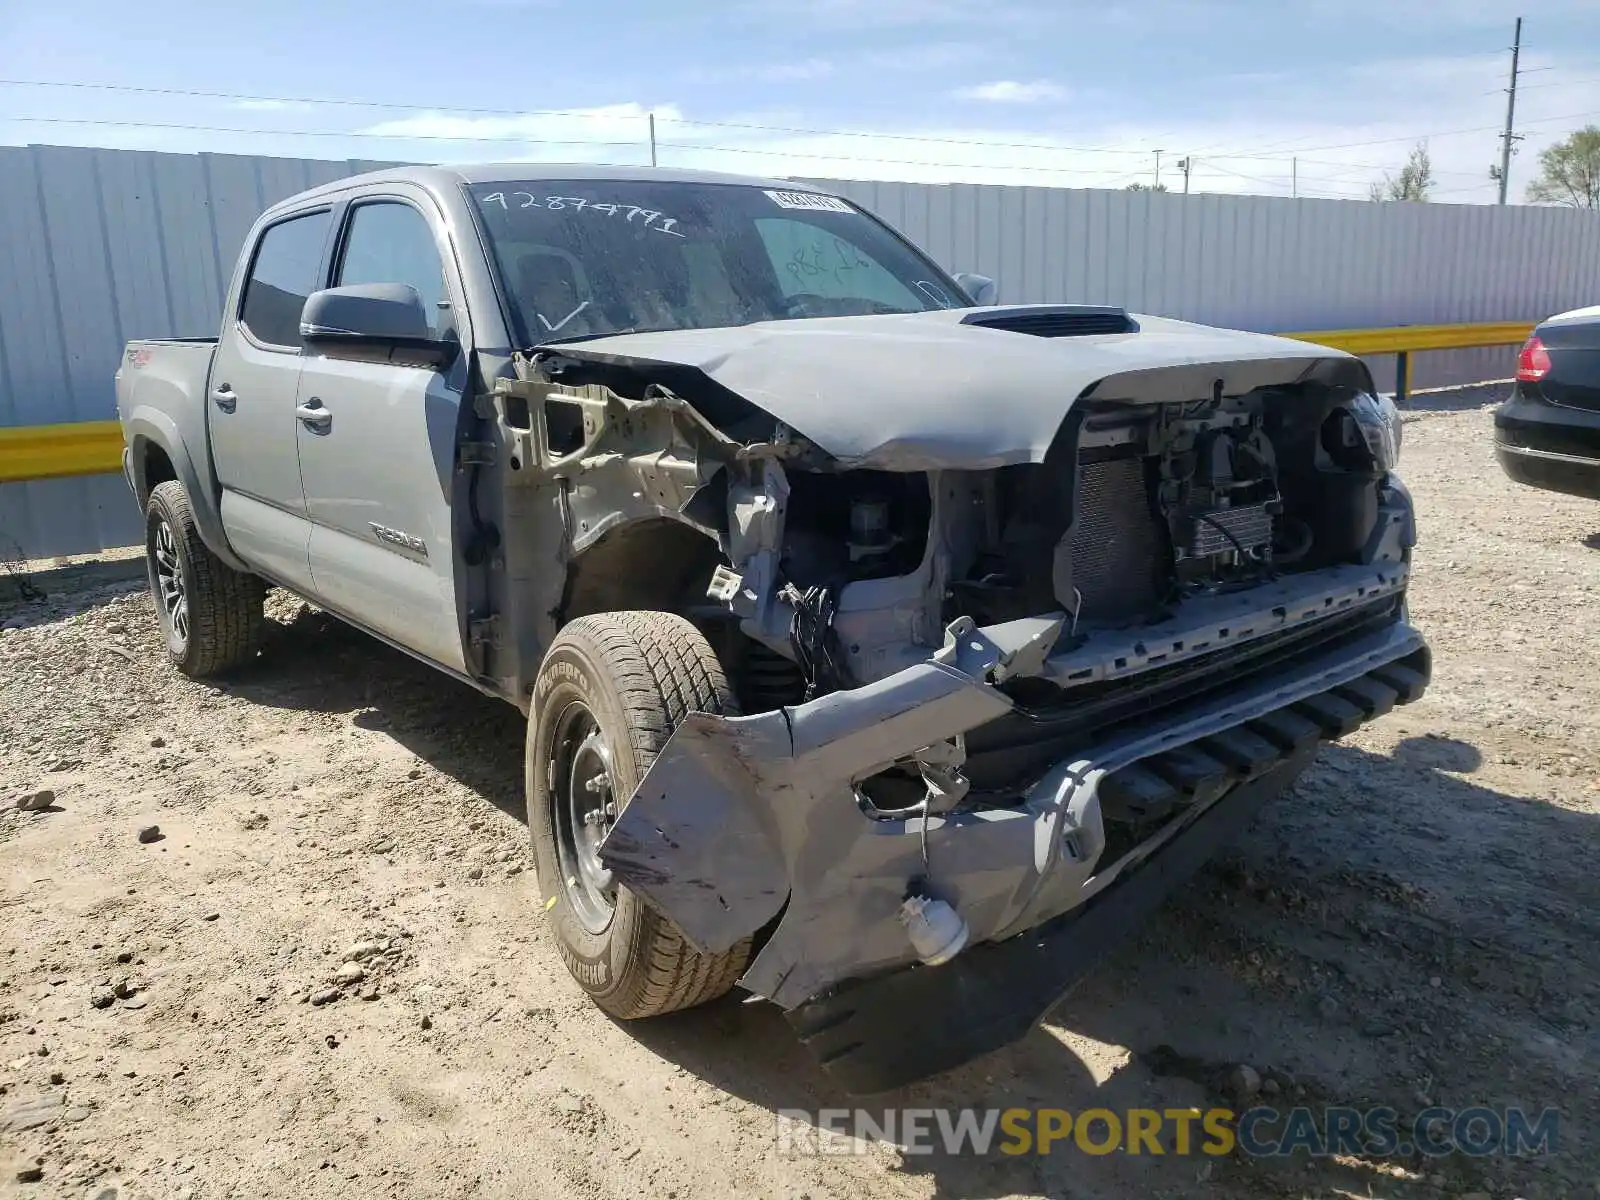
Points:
(1414, 182)
(1569, 171)
(1145, 187)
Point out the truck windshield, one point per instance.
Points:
(585, 258)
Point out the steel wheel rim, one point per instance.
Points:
(583, 803)
(170, 592)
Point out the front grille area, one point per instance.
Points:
(1049, 723)
(1120, 557)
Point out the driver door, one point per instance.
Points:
(377, 445)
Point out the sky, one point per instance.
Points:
(1307, 97)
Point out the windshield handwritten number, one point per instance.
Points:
(803, 267)
(652, 218)
(849, 257)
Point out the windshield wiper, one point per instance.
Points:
(589, 337)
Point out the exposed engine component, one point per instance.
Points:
(853, 525)
(1219, 491)
(937, 932)
(870, 534)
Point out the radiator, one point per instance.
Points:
(1121, 564)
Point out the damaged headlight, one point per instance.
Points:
(1378, 418)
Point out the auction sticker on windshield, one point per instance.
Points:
(809, 200)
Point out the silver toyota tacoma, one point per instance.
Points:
(885, 651)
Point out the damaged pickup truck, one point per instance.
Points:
(886, 652)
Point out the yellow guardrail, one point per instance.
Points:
(1409, 339)
(56, 451)
(95, 447)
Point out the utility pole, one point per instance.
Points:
(1186, 164)
(1509, 137)
(652, 139)
(1158, 171)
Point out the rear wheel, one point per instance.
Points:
(609, 694)
(211, 615)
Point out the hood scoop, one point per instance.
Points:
(1055, 320)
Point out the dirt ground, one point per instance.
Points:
(1418, 922)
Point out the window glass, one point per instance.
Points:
(812, 261)
(392, 243)
(283, 275)
(586, 258)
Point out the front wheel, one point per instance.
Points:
(211, 615)
(609, 694)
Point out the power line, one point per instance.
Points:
(578, 113)
(1269, 152)
(1033, 147)
(900, 162)
(205, 95)
(1415, 137)
(635, 145)
(325, 133)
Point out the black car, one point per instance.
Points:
(1547, 434)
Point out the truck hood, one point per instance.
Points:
(928, 391)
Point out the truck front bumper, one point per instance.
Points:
(990, 996)
(749, 822)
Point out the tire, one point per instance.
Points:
(609, 694)
(211, 615)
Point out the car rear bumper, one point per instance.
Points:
(1549, 446)
(874, 1034)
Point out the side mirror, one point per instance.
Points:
(375, 322)
(981, 288)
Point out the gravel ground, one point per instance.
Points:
(326, 975)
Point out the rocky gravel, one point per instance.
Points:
(281, 936)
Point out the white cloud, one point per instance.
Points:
(613, 133)
(1010, 91)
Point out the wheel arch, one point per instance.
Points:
(157, 451)
(655, 563)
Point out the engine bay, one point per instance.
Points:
(1136, 510)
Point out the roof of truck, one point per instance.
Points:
(455, 174)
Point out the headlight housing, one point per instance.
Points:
(1379, 420)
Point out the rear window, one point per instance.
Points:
(283, 274)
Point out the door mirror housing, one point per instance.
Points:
(375, 322)
(980, 288)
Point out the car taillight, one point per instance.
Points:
(1533, 364)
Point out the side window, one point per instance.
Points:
(809, 260)
(283, 275)
(390, 242)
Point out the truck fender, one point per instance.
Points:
(147, 425)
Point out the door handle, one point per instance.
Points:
(314, 415)
(227, 399)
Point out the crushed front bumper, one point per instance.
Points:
(994, 994)
(743, 820)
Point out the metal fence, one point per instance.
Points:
(100, 246)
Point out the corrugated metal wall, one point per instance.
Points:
(100, 246)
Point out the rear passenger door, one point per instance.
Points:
(377, 460)
(251, 403)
